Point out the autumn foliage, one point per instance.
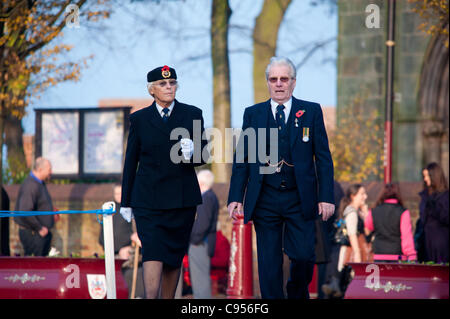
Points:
(357, 143)
(29, 61)
(32, 52)
(435, 14)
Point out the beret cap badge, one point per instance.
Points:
(161, 73)
(165, 72)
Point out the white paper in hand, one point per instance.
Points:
(187, 148)
(127, 213)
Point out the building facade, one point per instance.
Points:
(421, 104)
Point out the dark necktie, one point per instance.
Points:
(280, 117)
(166, 114)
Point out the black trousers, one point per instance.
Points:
(279, 224)
(33, 244)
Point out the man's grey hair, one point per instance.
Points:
(281, 61)
(39, 163)
(206, 177)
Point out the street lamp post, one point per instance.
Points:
(390, 43)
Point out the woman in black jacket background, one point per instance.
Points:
(434, 213)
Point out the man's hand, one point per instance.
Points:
(43, 232)
(326, 210)
(124, 252)
(235, 209)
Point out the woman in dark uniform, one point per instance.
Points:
(159, 184)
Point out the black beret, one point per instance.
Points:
(161, 73)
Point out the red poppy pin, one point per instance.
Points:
(300, 113)
(165, 72)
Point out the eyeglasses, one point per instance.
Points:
(283, 79)
(164, 83)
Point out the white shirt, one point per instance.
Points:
(160, 109)
(287, 108)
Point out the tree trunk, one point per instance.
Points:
(265, 36)
(14, 142)
(221, 13)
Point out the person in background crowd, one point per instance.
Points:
(331, 274)
(34, 231)
(353, 209)
(434, 214)
(124, 235)
(203, 237)
(391, 224)
(4, 226)
(220, 262)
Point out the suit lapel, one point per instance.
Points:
(156, 120)
(176, 116)
(262, 120)
(295, 131)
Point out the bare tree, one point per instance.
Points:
(220, 17)
(265, 36)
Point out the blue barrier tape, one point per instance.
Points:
(12, 213)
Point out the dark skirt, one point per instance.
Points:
(164, 234)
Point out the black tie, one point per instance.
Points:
(280, 117)
(166, 114)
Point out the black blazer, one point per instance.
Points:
(312, 159)
(150, 178)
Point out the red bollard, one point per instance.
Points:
(240, 272)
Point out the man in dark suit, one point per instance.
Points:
(159, 184)
(34, 231)
(287, 192)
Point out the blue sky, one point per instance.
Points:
(141, 36)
